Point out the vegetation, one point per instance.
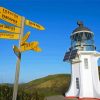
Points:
(50, 85)
(38, 89)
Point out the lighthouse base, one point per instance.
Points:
(88, 99)
(85, 83)
(77, 98)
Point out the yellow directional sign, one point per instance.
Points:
(15, 48)
(25, 38)
(9, 36)
(9, 28)
(37, 49)
(28, 46)
(34, 25)
(10, 16)
(16, 51)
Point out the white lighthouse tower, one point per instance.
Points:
(83, 57)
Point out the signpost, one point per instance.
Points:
(9, 28)
(9, 36)
(17, 34)
(18, 63)
(16, 51)
(25, 38)
(10, 16)
(34, 25)
(37, 49)
(28, 46)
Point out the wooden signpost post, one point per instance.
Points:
(16, 33)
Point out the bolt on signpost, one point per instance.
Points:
(16, 33)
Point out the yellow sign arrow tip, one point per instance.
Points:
(37, 49)
(42, 28)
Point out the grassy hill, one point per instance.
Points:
(50, 85)
(39, 88)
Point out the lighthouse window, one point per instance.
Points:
(98, 67)
(86, 63)
(77, 83)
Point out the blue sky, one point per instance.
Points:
(59, 18)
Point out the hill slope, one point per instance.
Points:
(38, 89)
(52, 84)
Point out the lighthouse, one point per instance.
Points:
(83, 57)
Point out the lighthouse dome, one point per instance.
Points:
(81, 28)
(82, 38)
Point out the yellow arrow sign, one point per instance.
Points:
(16, 51)
(15, 48)
(10, 16)
(9, 36)
(25, 38)
(34, 25)
(28, 46)
(9, 28)
(37, 49)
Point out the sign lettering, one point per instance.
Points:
(9, 36)
(9, 28)
(34, 25)
(28, 46)
(10, 16)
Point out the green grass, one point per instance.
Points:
(40, 88)
(50, 85)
